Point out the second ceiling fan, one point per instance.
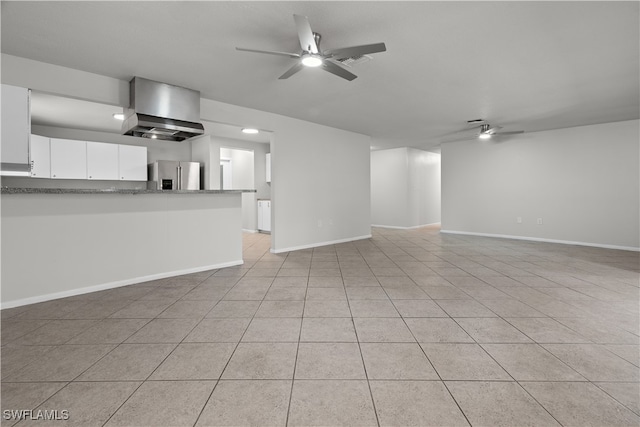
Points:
(312, 56)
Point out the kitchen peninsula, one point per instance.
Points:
(60, 242)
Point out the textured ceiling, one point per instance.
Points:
(522, 65)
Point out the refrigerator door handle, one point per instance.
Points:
(179, 183)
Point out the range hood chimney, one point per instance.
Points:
(161, 111)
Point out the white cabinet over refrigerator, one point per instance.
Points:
(132, 163)
(16, 127)
(264, 215)
(40, 154)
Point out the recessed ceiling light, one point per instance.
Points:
(118, 116)
(311, 60)
(250, 130)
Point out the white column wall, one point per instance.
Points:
(320, 186)
(201, 152)
(583, 182)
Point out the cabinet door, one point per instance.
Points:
(132, 163)
(268, 167)
(68, 159)
(260, 215)
(102, 160)
(16, 129)
(266, 216)
(40, 157)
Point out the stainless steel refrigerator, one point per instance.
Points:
(172, 175)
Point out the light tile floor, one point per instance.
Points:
(407, 328)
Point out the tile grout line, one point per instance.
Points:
(364, 366)
(234, 350)
(436, 371)
(295, 363)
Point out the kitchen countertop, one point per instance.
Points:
(16, 190)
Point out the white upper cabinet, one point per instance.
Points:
(40, 157)
(16, 129)
(133, 163)
(68, 159)
(102, 161)
(268, 167)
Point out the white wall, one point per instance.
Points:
(260, 184)
(405, 188)
(390, 188)
(242, 169)
(201, 153)
(583, 182)
(424, 187)
(56, 245)
(320, 186)
(320, 175)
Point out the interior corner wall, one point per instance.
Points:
(390, 188)
(424, 187)
(583, 182)
(405, 188)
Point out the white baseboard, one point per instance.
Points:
(404, 228)
(244, 230)
(539, 239)
(111, 285)
(316, 245)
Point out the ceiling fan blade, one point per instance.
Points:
(307, 41)
(336, 69)
(459, 139)
(514, 132)
(291, 71)
(348, 52)
(270, 52)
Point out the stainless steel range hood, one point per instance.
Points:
(161, 111)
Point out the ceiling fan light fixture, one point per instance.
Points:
(485, 132)
(310, 60)
(250, 130)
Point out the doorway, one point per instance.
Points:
(226, 174)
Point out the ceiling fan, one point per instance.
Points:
(312, 56)
(487, 131)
